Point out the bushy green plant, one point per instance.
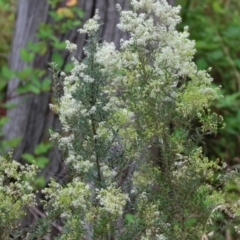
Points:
(132, 120)
(117, 107)
(16, 193)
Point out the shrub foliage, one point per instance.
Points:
(132, 120)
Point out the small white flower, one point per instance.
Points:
(92, 25)
(63, 74)
(70, 46)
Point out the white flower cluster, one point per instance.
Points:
(142, 27)
(75, 195)
(16, 191)
(153, 33)
(80, 164)
(108, 173)
(112, 200)
(156, 237)
(104, 52)
(92, 25)
(70, 46)
(78, 68)
(14, 170)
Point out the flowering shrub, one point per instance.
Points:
(132, 120)
(129, 134)
(16, 193)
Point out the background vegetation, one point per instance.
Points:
(215, 26)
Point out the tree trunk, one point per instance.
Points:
(31, 118)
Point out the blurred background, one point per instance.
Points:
(33, 34)
(215, 26)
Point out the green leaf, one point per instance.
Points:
(130, 218)
(42, 161)
(232, 32)
(46, 84)
(25, 55)
(35, 81)
(38, 47)
(25, 73)
(9, 105)
(217, 7)
(23, 88)
(3, 120)
(32, 46)
(76, 23)
(56, 16)
(190, 222)
(229, 101)
(45, 31)
(28, 87)
(217, 55)
(53, 3)
(40, 182)
(57, 58)
(34, 89)
(78, 12)
(201, 63)
(203, 45)
(68, 67)
(237, 62)
(42, 148)
(28, 157)
(3, 84)
(13, 142)
(10, 143)
(59, 45)
(42, 47)
(7, 72)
